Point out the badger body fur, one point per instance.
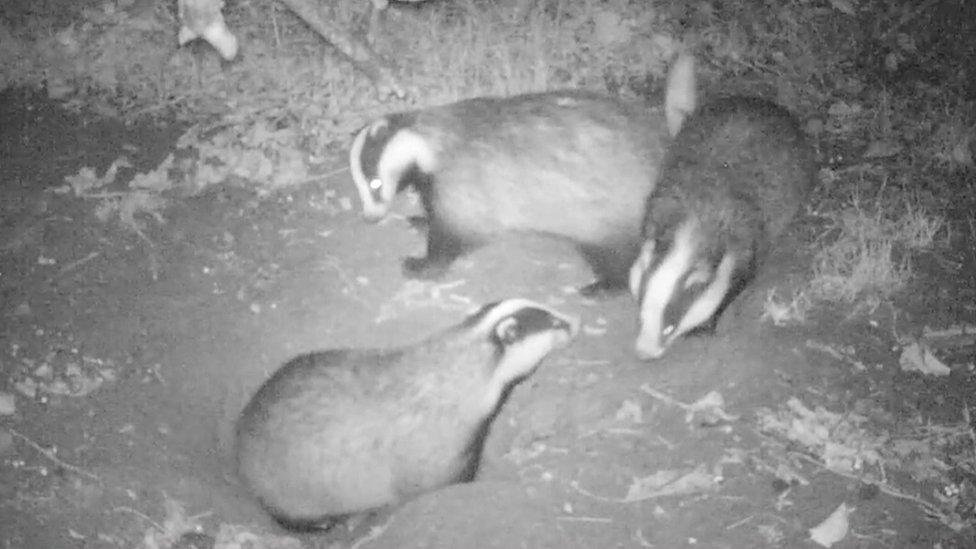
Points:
(569, 164)
(340, 432)
(732, 181)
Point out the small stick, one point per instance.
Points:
(969, 425)
(49, 454)
(602, 520)
(882, 486)
(141, 515)
(74, 265)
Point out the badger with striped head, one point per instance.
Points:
(732, 181)
(345, 431)
(573, 165)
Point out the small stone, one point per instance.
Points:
(8, 403)
(6, 442)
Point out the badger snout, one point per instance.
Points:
(647, 350)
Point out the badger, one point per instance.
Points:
(731, 182)
(345, 431)
(569, 164)
(205, 19)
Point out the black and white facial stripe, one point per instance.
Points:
(524, 332)
(384, 158)
(733, 179)
(678, 289)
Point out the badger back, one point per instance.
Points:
(571, 164)
(751, 151)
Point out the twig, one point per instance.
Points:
(374, 533)
(103, 195)
(141, 515)
(969, 427)
(336, 171)
(74, 265)
(276, 32)
(602, 520)
(739, 523)
(49, 454)
(576, 486)
(150, 253)
(639, 537)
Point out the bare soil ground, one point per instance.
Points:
(182, 330)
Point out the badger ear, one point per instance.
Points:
(640, 266)
(680, 97)
(507, 331)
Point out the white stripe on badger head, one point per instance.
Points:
(680, 97)
(640, 266)
(405, 149)
(660, 286)
(372, 211)
(708, 302)
(401, 151)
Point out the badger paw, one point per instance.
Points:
(422, 268)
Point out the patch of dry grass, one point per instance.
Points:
(867, 250)
(473, 48)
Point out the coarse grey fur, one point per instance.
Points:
(345, 431)
(732, 181)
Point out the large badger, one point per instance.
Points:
(340, 432)
(733, 179)
(569, 164)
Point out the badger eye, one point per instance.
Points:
(507, 331)
(375, 184)
(668, 330)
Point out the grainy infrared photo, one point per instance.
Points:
(452, 274)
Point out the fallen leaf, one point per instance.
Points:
(669, 483)
(844, 6)
(834, 528)
(882, 149)
(917, 357)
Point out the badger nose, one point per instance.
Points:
(647, 351)
(372, 213)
